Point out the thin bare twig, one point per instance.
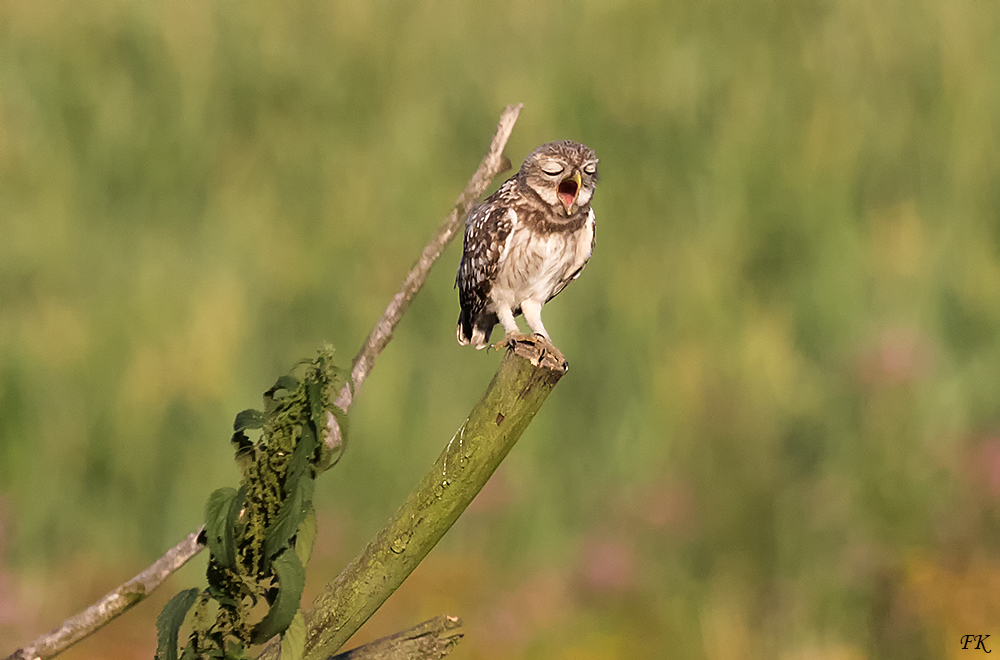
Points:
(115, 603)
(138, 588)
(493, 163)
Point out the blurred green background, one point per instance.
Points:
(780, 436)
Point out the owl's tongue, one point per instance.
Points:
(567, 192)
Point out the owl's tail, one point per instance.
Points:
(475, 330)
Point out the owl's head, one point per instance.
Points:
(563, 174)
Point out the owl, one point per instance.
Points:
(526, 242)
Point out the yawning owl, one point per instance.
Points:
(526, 242)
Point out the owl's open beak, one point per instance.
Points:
(569, 188)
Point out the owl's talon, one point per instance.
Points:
(506, 342)
(511, 340)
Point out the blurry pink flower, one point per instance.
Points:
(670, 508)
(607, 565)
(535, 605)
(988, 461)
(545, 597)
(900, 356)
(505, 627)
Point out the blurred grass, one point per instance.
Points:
(780, 437)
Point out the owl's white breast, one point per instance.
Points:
(534, 266)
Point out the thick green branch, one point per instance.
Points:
(527, 374)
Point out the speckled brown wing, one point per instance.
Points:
(487, 230)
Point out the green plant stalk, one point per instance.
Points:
(526, 375)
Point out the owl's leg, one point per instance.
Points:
(510, 329)
(507, 320)
(532, 311)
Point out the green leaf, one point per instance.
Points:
(314, 393)
(189, 652)
(305, 539)
(289, 383)
(234, 513)
(245, 452)
(293, 641)
(308, 442)
(299, 492)
(249, 419)
(218, 595)
(168, 623)
(201, 619)
(317, 408)
(341, 418)
(345, 376)
(235, 651)
(291, 579)
(307, 488)
(240, 442)
(330, 456)
(290, 515)
(221, 512)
